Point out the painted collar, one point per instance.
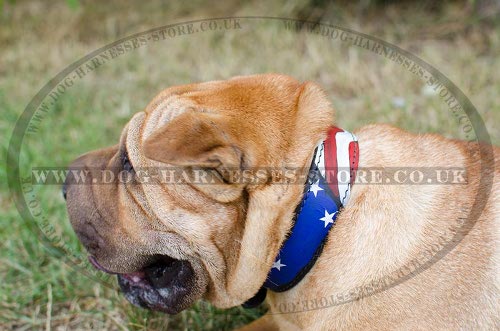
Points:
(326, 192)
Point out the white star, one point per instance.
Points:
(315, 188)
(328, 218)
(278, 265)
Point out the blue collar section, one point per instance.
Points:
(316, 215)
(326, 192)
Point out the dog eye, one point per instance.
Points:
(126, 164)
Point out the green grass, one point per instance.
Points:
(38, 290)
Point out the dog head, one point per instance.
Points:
(194, 230)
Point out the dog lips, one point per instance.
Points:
(160, 286)
(164, 274)
(96, 265)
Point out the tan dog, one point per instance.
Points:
(173, 244)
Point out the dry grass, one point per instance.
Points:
(38, 40)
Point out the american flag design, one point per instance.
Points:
(327, 190)
(338, 162)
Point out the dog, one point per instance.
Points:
(399, 256)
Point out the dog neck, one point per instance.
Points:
(326, 192)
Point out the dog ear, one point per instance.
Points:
(200, 142)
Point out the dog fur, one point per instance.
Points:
(231, 232)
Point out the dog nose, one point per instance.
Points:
(65, 189)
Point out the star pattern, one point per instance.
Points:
(301, 246)
(315, 188)
(278, 265)
(328, 218)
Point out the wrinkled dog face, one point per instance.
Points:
(174, 242)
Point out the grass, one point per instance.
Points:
(40, 291)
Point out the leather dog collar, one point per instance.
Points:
(326, 192)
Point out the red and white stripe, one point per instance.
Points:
(337, 160)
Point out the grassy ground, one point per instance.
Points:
(38, 40)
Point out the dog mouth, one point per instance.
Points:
(163, 285)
